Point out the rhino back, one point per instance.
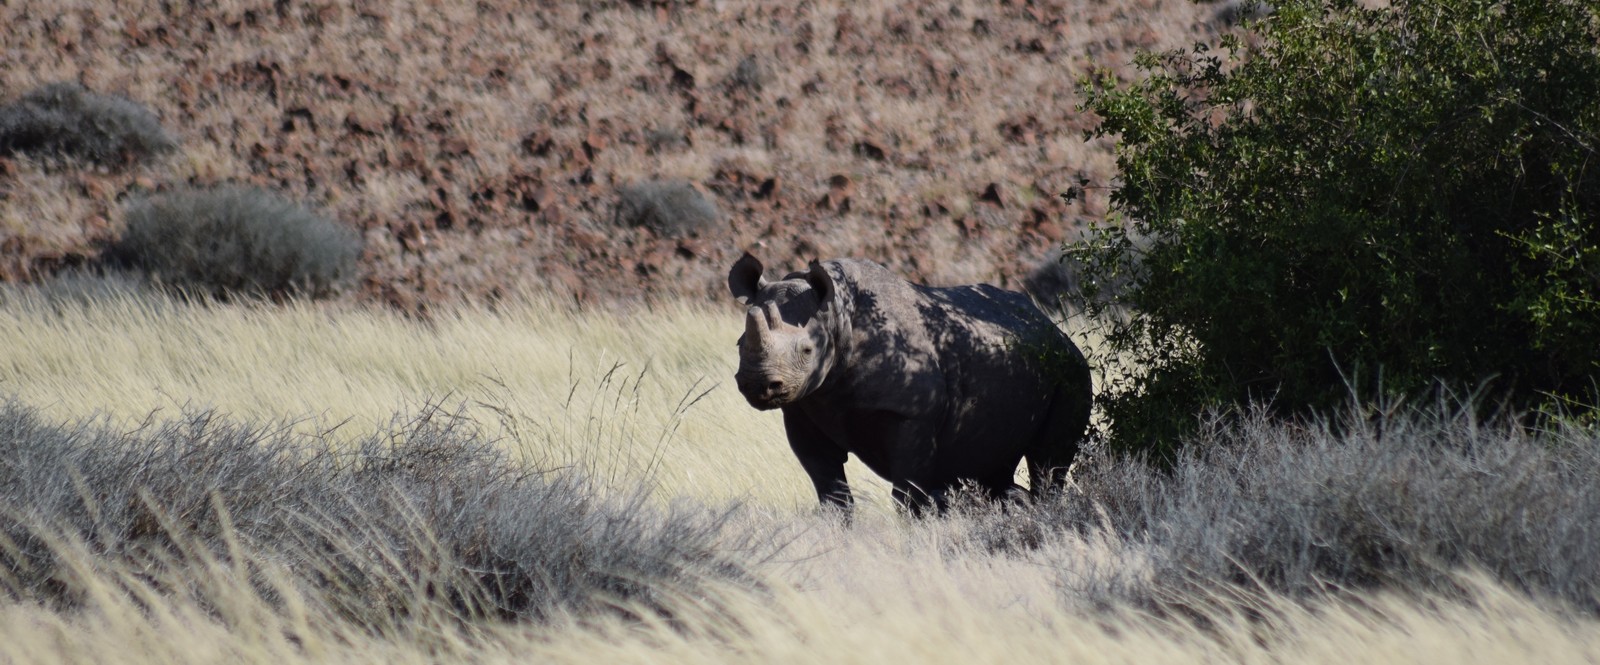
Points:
(949, 345)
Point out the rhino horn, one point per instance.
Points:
(774, 319)
(755, 327)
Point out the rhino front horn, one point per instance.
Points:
(755, 325)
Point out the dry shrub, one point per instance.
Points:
(670, 207)
(66, 120)
(237, 240)
(428, 514)
(1402, 500)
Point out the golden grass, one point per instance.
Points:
(884, 590)
(636, 394)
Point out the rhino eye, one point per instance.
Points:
(807, 349)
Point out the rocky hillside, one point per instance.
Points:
(596, 149)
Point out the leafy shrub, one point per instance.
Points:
(234, 240)
(64, 119)
(427, 512)
(672, 208)
(1380, 199)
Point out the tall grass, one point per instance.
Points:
(576, 510)
(636, 395)
(427, 512)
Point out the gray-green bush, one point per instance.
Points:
(426, 514)
(66, 120)
(672, 208)
(238, 240)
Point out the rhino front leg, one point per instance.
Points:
(911, 469)
(822, 459)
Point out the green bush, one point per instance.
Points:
(65, 120)
(236, 240)
(1373, 200)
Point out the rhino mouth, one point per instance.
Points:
(765, 403)
(763, 394)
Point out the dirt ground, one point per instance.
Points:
(481, 147)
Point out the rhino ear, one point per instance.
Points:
(745, 279)
(821, 281)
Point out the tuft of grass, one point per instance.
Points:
(66, 120)
(671, 208)
(1401, 500)
(426, 512)
(238, 241)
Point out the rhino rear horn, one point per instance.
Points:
(821, 282)
(745, 279)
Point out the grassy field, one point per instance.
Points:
(643, 392)
(623, 399)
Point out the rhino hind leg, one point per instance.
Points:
(1055, 444)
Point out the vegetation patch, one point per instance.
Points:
(1398, 501)
(427, 513)
(238, 241)
(1396, 198)
(671, 208)
(66, 120)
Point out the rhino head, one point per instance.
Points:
(788, 347)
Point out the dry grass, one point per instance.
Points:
(883, 592)
(541, 375)
(628, 391)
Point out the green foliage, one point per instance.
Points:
(235, 240)
(65, 120)
(1378, 200)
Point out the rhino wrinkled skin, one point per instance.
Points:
(929, 387)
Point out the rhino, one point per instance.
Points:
(930, 387)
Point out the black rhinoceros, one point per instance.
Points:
(927, 386)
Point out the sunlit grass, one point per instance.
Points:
(641, 395)
(634, 396)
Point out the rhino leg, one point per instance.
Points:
(911, 468)
(1055, 445)
(822, 459)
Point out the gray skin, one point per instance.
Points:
(929, 387)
